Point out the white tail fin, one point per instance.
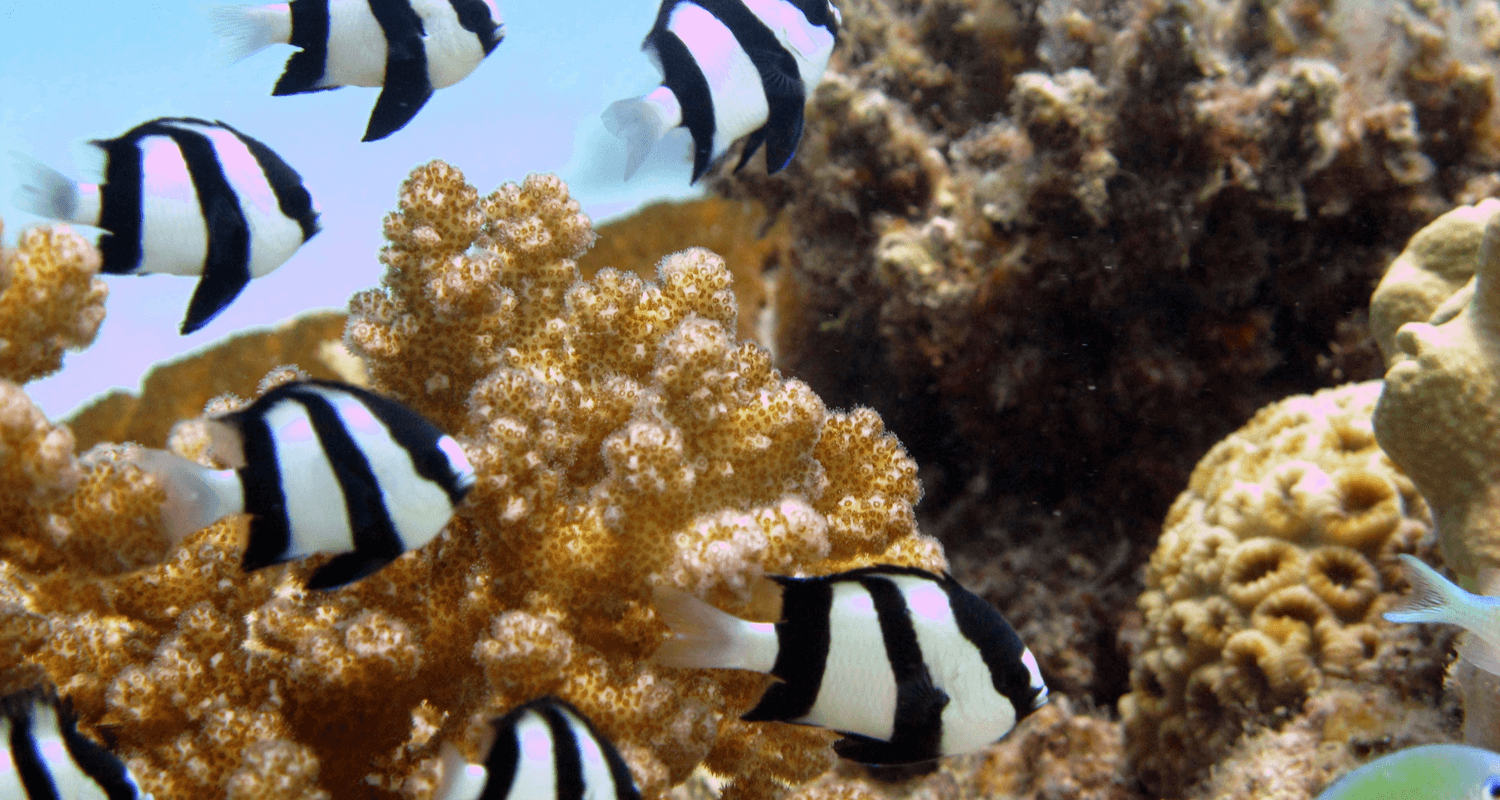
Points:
(703, 637)
(43, 190)
(197, 496)
(1434, 598)
(460, 778)
(247, 30)
(641, 122)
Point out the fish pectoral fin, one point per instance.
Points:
(407, 88)
(345, 568)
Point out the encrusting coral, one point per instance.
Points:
(621, 436)
(1439, 416)
(1267, 587)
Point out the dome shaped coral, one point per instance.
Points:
(1268, 583)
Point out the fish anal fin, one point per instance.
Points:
(217, 288)
(752, 144)
(782, 139)
(869, 750)
(345, 568)
(407, 85)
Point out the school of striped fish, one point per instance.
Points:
(906, 665)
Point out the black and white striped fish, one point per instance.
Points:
(183, 196)
(320, 467)
(730, 68)
(44, 757)
(543, 750)
(408, 47)
(908, 665)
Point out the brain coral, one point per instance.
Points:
(621, 434)
(1268, 583)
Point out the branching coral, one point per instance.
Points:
(50, 301)
(621, 436)
(1267, 588)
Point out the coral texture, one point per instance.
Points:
(1439, 416)
(1268, 584)
(50, 301)
(621, 436)
(1064, 246)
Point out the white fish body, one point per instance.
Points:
(539, 750)
(409, 49)
(326, 467)
(909, 665)
(184, 196)
(731, 69)
(1434, 598)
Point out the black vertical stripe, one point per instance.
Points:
(35, 777)
(121, 204)
(226, 265)
(260, 479)
(310, 29)
(502, 763)
(99, 764)
(292, 197)
(619, 772)
(917, 731)
(802, 638)
(475, 17)
(998, 644)
(374, 533)
(683, 76)
(567, 761)
(415, 435)
(780, 80)
(407, 84)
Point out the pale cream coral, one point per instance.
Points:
(1268, 581)
(50, 301)
(621, 436)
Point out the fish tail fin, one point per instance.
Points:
(703, 637)
(641, 123)
(247, 30)
(1434, 598)
(197, 496)
(43, 190)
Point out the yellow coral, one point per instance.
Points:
(621, 436)
(50, 301)
(1267, 581)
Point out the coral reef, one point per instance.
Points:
(1267, 588)
(57, 264)
(1064, 246)
(621, 435)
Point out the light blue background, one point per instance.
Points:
(75, 72)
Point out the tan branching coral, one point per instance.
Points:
(621, 436)
(50, 301)
(1268, 584)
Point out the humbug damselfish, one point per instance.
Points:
(906, 664)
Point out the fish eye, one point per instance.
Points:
(1492, 786)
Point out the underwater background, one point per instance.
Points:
(1106, 270)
